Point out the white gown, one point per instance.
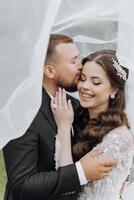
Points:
(118, 145)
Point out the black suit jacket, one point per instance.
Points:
(30, 164)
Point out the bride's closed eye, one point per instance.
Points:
(95, 83)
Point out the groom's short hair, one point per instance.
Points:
(55, 39)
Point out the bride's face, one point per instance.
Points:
(94, 87)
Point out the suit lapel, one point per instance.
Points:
(46, 109)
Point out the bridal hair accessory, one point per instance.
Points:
(120, 71)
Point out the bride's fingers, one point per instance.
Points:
(70, 105)
(59, 96)
(53, 104)
(56, 98)
(64, 98)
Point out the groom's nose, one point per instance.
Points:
(80, 66)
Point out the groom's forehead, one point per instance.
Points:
(67, 50)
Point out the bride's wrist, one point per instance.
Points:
(65, 128)
(64, 139)
(64, 133)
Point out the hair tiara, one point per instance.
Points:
(119, 70)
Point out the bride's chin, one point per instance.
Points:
(84, 104)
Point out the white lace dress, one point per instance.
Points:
(117, 144)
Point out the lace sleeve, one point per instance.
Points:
(118, 145)
(115, 144)
(57, 152)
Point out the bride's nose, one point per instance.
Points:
(86, 85)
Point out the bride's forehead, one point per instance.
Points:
(91, 67)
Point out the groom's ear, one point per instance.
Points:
(49, 71)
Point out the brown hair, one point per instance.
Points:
(55, 39)
(115, 116)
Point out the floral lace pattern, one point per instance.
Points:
(57, 152)
(118, 145)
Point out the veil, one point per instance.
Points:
(24, 35)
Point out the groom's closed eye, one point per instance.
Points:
(75, 59)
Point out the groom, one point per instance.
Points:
(29, 159)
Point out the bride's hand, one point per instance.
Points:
(62, 110)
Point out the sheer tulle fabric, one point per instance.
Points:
(24, 34)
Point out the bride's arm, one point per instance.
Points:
(63, 115)
(65, 154)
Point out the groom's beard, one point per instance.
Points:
(70, 87)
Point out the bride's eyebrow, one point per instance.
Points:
(98, 78)
(92, 77)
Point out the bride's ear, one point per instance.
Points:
(49, 71)
(114, 92)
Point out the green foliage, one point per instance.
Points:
(2, 177)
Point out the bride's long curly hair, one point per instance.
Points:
(92, 131)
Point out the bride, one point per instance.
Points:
(102, 123)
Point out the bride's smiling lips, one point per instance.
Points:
(86, 96)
